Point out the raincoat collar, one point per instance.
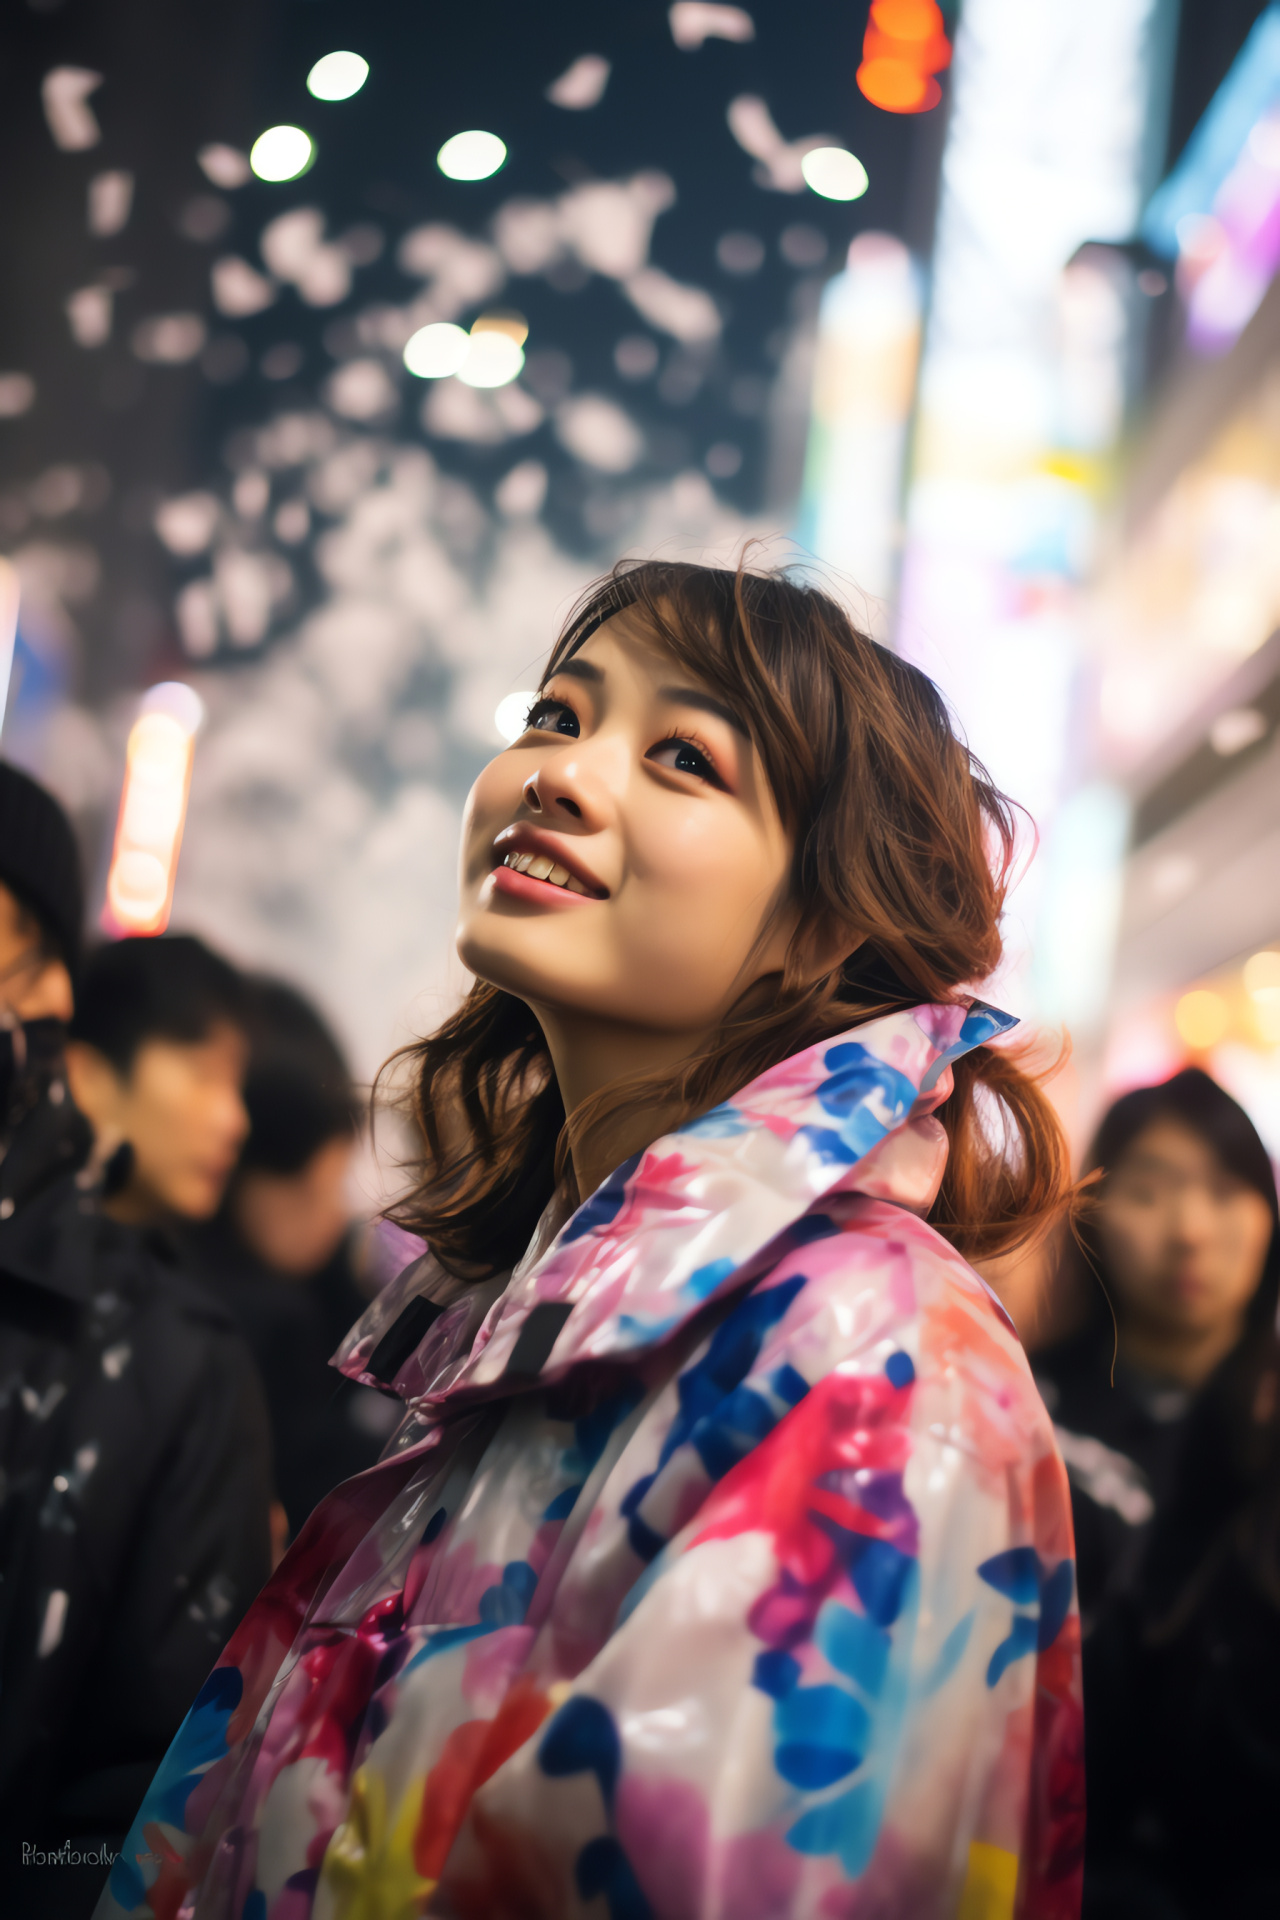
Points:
(694, 1217)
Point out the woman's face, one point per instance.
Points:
(1184, 1239)
(658, 857)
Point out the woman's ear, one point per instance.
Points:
(822, 949)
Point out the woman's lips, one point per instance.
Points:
(522, 886)
(543, 858)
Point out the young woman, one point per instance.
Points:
(722, 1565)
(1169, 1418)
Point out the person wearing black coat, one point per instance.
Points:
(283, 1255)
(1168, 1418)
(134, 1450)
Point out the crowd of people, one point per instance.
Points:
(179, 1260)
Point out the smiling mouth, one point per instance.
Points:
(539, 867)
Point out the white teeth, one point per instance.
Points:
(539, 867)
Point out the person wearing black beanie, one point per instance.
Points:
(135, 1477)
(40, 862)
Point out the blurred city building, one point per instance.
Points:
(1183, 614)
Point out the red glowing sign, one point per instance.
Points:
(904, 47)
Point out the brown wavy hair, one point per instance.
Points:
(902, 855)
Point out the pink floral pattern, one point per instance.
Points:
(721, 1568)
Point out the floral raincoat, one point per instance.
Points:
(721, 1568)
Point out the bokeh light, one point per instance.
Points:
(1202, 1018)
(904, 46)
(835, 173)
(511, 714)
(1262, 983)
(491, 355)
(153, 806)
(1262, 974)
(337, 76)
(281, 153)
(493, 360)
(434, 352)
(10, 595)
(473, 155)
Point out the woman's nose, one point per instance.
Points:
(1193, 1216)
(565, 789)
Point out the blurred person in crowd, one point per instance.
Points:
(283, 1250)
(156, 1061)
(134, 1453)
(1167, 1416)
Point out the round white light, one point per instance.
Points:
(281, 153)
(512, 714)
(835, 173)
(436, 351)
(337, 76)
(471, 156)
(179, 701)
(493, 359)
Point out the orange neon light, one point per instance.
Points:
(905, 45)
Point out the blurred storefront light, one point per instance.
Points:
(1076, 929)
(1261, 975)
(337, 76)
(9, 597)
(473, 155)
(1229, 1023)
(1218, 213)
(1202, 1018)
(153, 805)
(1236, 729)
(1266, 1013)
(904, 46)
(834, 173)
(1194, 591)
(864, 380)
(1021, 402)
(281, 153)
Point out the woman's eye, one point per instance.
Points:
(683, 757)
(552, 716)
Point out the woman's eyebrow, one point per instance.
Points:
(706, 703)
(1145, 1163)
(577, 669)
